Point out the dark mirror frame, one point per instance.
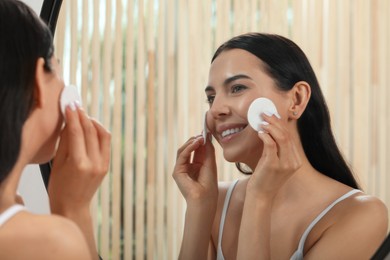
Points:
(49, 14)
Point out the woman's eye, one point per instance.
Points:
(237, 88)
(210, 99)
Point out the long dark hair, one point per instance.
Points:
(287, 64)
(24, 39)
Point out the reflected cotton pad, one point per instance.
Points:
(205, 130)
(69, 94)
(258, 107)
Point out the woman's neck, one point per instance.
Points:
(9, 186)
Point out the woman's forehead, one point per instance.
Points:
(234, 62)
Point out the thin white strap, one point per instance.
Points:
(224, 211)
(319, 217)
(10, 212)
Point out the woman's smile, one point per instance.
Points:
(232, 131)
(227, 132)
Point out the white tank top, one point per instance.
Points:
(298, 254)
(10, 212)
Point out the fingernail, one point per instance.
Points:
(77, 103)
(196, 141)
(260, 132)
(267, 113)
(72, 106)
(264, 123)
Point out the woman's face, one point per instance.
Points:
(50, 117)
(236, 78)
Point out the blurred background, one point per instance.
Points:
(142, 66)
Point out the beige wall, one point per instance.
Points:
(142, 66)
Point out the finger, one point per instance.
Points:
(188, 142)
(185, 152)
(206, 153)
(284, 143)
(63, 148)
(269, 158)
(273, 121)
(287, 150)
(270, 149)
(278, 132)
(76, 142)
(104, 138)
(90, 135)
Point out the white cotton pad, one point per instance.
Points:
(258, 107)
(205, 130)
(69, 94)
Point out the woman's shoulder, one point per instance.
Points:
(223, 186)
(28, 235)
(361, 202)
(353, 205)
(358, 224)
(365, 208)
(238, 187)
(359, 211)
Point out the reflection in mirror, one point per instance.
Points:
(141, 68)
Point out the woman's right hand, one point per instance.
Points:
(196, 177)
(195, 173)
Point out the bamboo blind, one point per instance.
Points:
(141, 67)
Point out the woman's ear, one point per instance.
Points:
(40, 81)
(300, 96)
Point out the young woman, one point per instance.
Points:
(300, 199)
(31, 126)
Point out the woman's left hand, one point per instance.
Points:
(279, 161)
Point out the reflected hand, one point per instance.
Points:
(196, 178)
(279, 161)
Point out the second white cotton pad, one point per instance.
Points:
(69, 94)
(205, 130)
(257, 108)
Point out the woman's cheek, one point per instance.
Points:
(243, 106)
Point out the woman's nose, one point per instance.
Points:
(220, 107)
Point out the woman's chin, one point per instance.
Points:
(249, 159)
(232, 157)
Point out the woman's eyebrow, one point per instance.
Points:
(235, 77)
(208, 89)
(228, 81)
